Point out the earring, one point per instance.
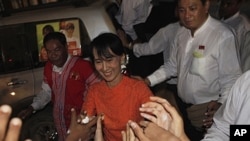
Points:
(124, 67)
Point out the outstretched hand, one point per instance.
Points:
(164, 115)
(79, 131)
(11, 131)
(146, 131)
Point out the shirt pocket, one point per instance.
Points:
(198, 66)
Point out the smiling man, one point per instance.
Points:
(202, 58)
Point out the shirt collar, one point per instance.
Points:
(232, 18)
(203, 26)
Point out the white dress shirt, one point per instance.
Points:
(241, 26)
(234, 111)
(245, 53)
(206, 64)
(160, 42)
(133, 12)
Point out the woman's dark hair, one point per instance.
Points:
(57, 36)
(104, 42)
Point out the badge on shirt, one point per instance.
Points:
(75, 75)
(199, 53)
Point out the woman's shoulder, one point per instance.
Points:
(133, 81)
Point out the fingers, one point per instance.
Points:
(14, 126)
(131, 134)
(93, 121)
(14, 130)
(171, 110)
(207, 123)
(151, 105)
(100, 118)
(138, 131)
(73, 118)
(149, 117)
(144, 123)
(124, 138)
(128, 135)
(98, 132)
(82, 118)
(5, 111)
(156, 113)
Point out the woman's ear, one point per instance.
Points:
(123, 59)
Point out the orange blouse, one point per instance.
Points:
(118, 104)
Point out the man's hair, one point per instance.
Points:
(55, 36)
(202, 1)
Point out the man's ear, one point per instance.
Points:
(207, 5)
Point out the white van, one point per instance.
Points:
(21, 69)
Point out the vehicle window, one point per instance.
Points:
(14, 49)
(21, 45)
(73, 29)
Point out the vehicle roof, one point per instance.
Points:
(94, 17)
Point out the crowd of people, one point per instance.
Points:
(205, 76)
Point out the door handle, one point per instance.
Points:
(15, 82)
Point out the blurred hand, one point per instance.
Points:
(147, 132)
(98, 132)
(133, 133)
(12, 131)
(122, 35)
(212, 107)
(80, 131)
(155, 132)
(162, 113)
(26, 113)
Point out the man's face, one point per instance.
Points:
(57, 52)
(192, 13)
(228, 8)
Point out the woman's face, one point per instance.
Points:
(109, 68)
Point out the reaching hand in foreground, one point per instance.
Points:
(147, 132)
(12, 131)
(164, 115)
(85, 131)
